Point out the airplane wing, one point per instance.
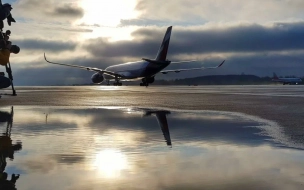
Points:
(191, 69)
(85, 68)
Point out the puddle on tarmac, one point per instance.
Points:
(139, 148)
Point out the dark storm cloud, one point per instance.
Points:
(101, 47)
(38, 9)
(151, 22)
(69, 11)
(44, 45)
(241, 38)
(256, 50)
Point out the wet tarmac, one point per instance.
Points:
(237, 137)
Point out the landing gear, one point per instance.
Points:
(144, 84)
(108, 82)
(147, 81)
(117, 84)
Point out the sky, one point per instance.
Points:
(256, 37)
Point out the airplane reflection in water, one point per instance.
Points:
(161, 116)
(163, 123)
(120, 147)
(7, 150)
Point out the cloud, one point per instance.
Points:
(101, 47)
(80, 30)
(68, 11)
(90, 25)
(54, 10)
(250, 48)
(44, 165)
(68, 158)
(221, 10)
(155, 22)
(252, 40)
(45, 45)
(205, 40)
(247, 48)
(48, 163)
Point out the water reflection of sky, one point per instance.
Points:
(133, 148)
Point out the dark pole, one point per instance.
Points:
(9, 72)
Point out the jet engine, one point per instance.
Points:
(97, 78)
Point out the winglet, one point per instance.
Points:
(45, 58)
(221, 64)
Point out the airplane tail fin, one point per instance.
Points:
(163, 50)
(275, 76)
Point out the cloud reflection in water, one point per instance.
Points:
(130, 148)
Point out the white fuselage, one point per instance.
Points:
(134, 70)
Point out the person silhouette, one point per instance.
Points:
(5, 13)
(7, 150)
(6, 48)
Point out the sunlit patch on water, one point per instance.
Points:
(110, 163)
(144, 148)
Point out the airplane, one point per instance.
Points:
(286, 80)
(144, 70)
(161, 117)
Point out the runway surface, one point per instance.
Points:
(202, 137)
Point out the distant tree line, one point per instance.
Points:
(220, 80)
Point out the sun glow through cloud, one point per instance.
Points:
(105, 15)
(107, 12)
